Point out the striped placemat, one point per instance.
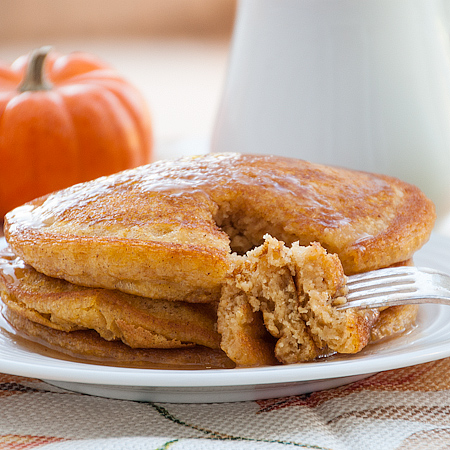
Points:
(405, 408)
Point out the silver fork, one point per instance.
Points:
(397, 286)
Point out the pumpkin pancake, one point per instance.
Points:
(88, 347)
(167, 230)
(137, 321)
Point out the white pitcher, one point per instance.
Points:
(363, 84)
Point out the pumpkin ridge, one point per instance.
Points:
(130, 103)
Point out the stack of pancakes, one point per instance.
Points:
(209, 261)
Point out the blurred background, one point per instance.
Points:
(174, 51)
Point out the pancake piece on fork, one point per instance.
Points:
(279, 305)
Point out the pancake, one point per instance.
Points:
(138, 322)
(168, 230)
(88, 347)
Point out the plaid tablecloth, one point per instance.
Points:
(405, 408)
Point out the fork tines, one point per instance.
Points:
(384, 287)
(380, 281)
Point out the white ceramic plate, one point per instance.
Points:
(428, 341)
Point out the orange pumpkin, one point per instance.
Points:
(65, 119)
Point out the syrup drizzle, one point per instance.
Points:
(207, 176)
(12, 268)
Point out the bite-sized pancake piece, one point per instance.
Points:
(137, 321)
(244, 337)
(292, 292)
(166, 230)
(88, 346)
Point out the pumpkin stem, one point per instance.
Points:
(35, 79)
